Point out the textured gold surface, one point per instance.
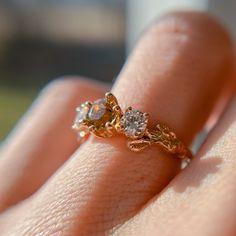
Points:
(104, 119)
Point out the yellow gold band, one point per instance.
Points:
(104, 118)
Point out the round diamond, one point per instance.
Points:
(78, 125)
(81, 114)
(97, 110)
(100, 113)
(134, 123)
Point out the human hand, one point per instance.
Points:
(178, 72)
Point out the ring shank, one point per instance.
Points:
(164, 137)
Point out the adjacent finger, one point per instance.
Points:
(43, 140)
(172, 76)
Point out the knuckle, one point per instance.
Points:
(64, 83)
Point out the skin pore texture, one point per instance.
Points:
(177, 73)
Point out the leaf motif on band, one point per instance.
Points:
(138, 145)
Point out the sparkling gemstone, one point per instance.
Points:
(78, 125)
(134, 123)
(100, 113)
(81, 114)
(82, 134)
(97, 110)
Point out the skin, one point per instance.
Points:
(181, 72)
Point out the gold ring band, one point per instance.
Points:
(104, 118)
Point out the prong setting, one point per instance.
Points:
(92, 128)
(116, 108)
(109, 126)
(134, 123)
(101, 115)
(104, 118)
(88, 103)
(129, 109)
(109, 95)
(111, 99)
(146, 115)
(75, 127)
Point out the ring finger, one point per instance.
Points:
(170, 76)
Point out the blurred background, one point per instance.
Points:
(43, 40)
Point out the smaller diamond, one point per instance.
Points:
(81, 114)
(134, 123)
(78, 125)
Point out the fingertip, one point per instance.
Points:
(197, 23)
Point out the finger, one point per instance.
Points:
(201, 200)
(43, 140)
(169, 75)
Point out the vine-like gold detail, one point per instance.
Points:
(104, 118)
(165, 138)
